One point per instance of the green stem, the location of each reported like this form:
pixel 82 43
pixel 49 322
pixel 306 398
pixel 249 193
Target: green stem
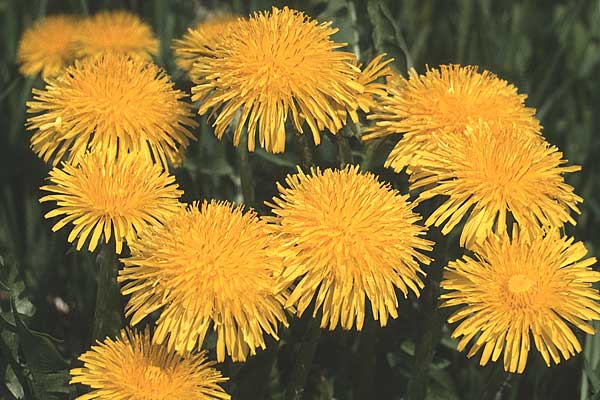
pixel 304 360
pixel 246 177
pixel 254 376
pixel 366 362
pixel 496 382
pixel 84 7
pixel 430 330
pixel 307 149
pixel 343 146
pixel 370 152
pixel 107 316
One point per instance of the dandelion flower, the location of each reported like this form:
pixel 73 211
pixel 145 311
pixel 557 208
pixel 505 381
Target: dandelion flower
pixel 116 32
pixel 113 104
pixel 133 368
pixel 201 40
pixel 274 65
pixel 344 235
pixel 445 99
pixel 48 46
pixel 104 195
pixel 490 172
pixel 209 265
pixel 516 289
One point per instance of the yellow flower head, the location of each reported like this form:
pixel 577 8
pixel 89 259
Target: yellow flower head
pixel 133 368
pixel 110 103
pixel 104 195
pixel 211 264
pixel 491 171
pixel 116 32
pixel 345 235
pixel 273 65
pixel 445 99
pixel 515 289
pixel 48 46
pixel 201 40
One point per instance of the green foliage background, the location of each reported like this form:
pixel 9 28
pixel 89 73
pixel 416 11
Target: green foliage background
pixel 550 50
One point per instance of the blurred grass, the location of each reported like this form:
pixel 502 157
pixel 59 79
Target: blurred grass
pixel 550 50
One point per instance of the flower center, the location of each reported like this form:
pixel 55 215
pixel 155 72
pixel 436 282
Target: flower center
pixel 519 283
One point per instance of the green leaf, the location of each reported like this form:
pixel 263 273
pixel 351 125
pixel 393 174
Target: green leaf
pixel 49 370
pixel 387 35
pixel 591 375
pixel 13 384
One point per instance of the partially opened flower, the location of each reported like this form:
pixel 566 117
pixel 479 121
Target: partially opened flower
pixel 272 66
pixel 210 266
pixel 346 237
pixel 514 290
pixel 133 368
pixel 369 78
pixel 117 198
pixel 201 40
pixel 492 173
pixel 48 46
pixel 445 99
pixel 110 103
pixel 117 32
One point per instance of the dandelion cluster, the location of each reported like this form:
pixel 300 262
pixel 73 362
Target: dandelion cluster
pixel 468 139
pixel 334 242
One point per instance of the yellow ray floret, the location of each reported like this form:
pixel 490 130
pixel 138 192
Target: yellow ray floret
pixel 345 237
pixel 495 172
pixel 110 103
pixel 272 66
pixel 514 290
pixel 444 99
pixel 48 46
pixel 106 196
pixel 209 265
pixel 133 368
pixel 369 78
pixel 201 40
pixel 116 32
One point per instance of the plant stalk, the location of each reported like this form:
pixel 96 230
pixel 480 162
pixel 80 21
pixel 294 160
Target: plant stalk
pixel 304 360
pixel 246 176
pixel 430 328
pixel 107 316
